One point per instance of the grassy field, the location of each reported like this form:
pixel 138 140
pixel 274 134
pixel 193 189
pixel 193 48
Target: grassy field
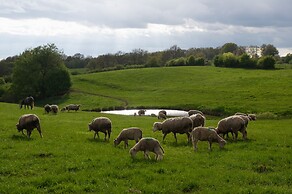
pixel 211 89
pixel 68 160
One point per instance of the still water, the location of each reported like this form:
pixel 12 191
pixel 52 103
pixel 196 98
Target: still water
pixel 171 113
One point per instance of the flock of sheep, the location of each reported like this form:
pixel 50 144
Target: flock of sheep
pixel 193 126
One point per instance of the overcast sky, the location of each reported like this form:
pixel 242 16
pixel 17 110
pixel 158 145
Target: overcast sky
pixel 94 27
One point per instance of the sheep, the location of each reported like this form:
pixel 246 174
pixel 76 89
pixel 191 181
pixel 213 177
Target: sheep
pixel 162 114
pixel 148 144
pixel 198 120
pixel 206 134
pixel 141 112
pixel 55 108
pixel 47 108
pixel 28 101
pixel 102 124
pixel 192 112
pixel 232 124
pixel 29 122
pixel 132 133
pixel 72 107
pixel 252 117
pixel 175 125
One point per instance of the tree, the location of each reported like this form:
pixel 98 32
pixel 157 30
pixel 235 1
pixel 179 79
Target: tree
pixel 269 50
pixel 229 48
pixel 40 72
pixel 266 62
pixel 246 62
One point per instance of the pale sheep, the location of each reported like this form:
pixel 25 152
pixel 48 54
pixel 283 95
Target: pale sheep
pixel 232 124
pixel 192 112
pixel 55 108
pixel 141 112
pixel 101 124
pixel 198 120
pixel 132 133
pixel 148 144
pixel 206 134
pixel 176 125
pixel 72 107
pixel 29 122
pixel 162 115
pixel 47 108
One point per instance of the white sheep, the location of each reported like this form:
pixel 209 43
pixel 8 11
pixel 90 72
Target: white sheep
pixel 198 120
pixel 55 108
pixel 206 134
pixel 132 133
pixel 101 124
pixel 148 144
pixel 29 122
pixel 175 125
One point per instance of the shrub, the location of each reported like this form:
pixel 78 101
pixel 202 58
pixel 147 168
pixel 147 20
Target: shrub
pixel 266 62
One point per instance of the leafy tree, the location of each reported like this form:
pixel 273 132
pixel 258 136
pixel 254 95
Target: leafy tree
pixel 269 50
pixel 246 62
pixel 218 61
pixel 191 61
pixel 229 48
pixel 40 72
pixel 230 60
pixel 266 62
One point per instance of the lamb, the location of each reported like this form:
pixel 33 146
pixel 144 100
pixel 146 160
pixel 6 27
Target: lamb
pixel 198 120
pixel 132 133
pixel 101 124
pixel 192 112
pixel 162 114
pixel 148 144
pixel 232 124
pixel 29 122
pixel 206 134
pixel 174 125
pixel 141 112
pixel 47 108
pixel 55 108
pixel 72 107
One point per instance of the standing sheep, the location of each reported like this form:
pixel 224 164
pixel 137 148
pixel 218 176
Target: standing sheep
pixel 141 112
pixel 162 114
pixel 192 112
pixel 72 107
pixel 232 124
pixel 179 125
pixel 132 133
pixel 101 124
pixel 29 122
pixel 206 134
pixel 55 108
pixel 47 108
pixel 198 120
pixel 148 144
pixel 28 101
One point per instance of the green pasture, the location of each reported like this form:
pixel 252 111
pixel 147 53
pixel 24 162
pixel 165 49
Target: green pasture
pixel 211 89
pixel 68 160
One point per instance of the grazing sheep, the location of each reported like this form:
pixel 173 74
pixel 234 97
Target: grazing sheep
pixel 101 124
pixel 29 122
pixel 47 108
pixel 72 107
pixel 252 117
pixel 198 120
pixel 174 125
pixel 206 134
pixel 28 101
pixel 141 112
pixel 192 112
pixel 148 144
pixel 232 124
pixel 162 114
pixel 55 108
pixel 132 133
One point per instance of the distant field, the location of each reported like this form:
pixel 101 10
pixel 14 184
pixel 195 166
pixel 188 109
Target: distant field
pixel 212 89
pixel 68 160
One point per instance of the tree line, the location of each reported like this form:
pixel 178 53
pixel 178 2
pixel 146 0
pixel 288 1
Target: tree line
pixel 42 71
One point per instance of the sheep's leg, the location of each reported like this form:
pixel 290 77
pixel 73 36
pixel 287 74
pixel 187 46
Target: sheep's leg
pixel 146 155
pixel 195 141
pixel 189 137
pixel 164 136
pixel 105 134
pixel 23 133
pixel 40 132
pixel 28 133
pixel 174 134
pixel 236 135
pixel 126 144
pixel 210 145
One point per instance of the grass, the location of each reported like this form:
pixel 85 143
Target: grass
pixel 211 89
pixel 68 160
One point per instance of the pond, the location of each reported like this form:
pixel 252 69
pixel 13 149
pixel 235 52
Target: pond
pixel 149 112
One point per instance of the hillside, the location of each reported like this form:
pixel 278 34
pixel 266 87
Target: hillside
pixel 211 89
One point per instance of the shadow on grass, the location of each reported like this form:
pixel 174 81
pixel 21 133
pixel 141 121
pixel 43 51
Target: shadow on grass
pixel 20 138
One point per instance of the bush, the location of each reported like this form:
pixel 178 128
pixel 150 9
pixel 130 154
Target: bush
pixel 266 62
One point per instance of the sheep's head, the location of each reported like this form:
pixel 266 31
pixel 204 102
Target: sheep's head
pixel 18 127
pixel 133 152
pixel 116 142
pixel 221 142
pixel 89 126
pixel 156 126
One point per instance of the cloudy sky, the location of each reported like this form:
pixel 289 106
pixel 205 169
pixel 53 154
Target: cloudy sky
pixel 94 27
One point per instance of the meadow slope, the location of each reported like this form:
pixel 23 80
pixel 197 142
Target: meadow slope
pixel 210 89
